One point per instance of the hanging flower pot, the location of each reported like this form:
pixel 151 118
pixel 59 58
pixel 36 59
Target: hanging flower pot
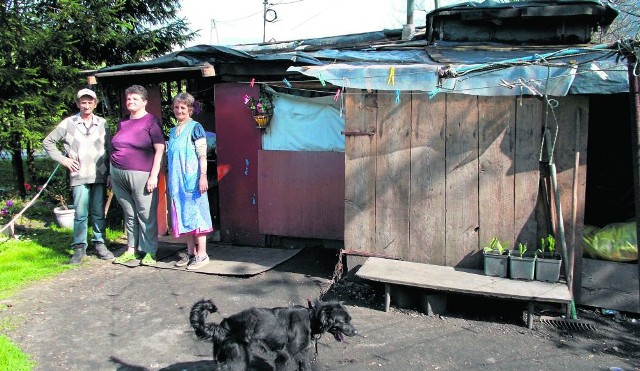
pixel 261 108
pixel 262 120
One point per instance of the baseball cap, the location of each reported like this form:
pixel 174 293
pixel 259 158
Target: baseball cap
pixel 88 92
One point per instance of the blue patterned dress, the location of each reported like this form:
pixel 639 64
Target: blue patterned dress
pixel 189 208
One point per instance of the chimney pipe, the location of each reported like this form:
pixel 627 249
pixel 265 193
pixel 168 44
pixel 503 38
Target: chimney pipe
pixel 408 30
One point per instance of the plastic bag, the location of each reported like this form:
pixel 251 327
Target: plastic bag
pixel 615 242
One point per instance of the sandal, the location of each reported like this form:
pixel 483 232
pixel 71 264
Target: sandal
pixel 149 260
pixel 125 257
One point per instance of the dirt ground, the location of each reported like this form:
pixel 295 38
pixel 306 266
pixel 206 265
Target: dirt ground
pixel 102 316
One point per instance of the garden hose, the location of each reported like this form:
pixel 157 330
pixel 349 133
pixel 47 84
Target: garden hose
pixel 28 205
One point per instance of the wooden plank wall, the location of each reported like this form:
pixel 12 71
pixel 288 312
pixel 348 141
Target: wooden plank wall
pixel 461 179
pixel 360 172
pixel 427 232
pixel 440 177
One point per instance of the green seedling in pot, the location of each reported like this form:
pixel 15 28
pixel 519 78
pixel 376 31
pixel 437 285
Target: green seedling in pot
pixel 522 248
pixel 495 244
pixel 547 243
pixel 551 244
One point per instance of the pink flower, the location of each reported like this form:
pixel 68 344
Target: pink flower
pixel 246 98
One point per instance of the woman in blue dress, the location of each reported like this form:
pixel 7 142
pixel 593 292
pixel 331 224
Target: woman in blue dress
pixel 188 184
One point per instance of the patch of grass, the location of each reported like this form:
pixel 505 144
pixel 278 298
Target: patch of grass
pixel 40 254
pixel 12 358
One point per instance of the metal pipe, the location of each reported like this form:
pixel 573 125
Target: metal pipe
pixel 264 21
pixel 410 6
pixel 560 227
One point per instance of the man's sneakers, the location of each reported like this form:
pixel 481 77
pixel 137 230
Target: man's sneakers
pixel 99 248
pixel 78 253
pixel 102 251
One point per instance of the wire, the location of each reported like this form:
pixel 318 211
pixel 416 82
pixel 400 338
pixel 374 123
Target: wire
pixel 315 15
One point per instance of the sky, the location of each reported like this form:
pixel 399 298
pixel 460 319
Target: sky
pixel 222 22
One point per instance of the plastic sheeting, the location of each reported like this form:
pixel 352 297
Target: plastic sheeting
pixel 304 124
pixel 486 72
pixel 422 77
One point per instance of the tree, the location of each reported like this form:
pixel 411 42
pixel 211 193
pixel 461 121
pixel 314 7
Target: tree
pixel 46 43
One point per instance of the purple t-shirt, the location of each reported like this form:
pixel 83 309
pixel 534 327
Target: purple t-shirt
pixel 133 143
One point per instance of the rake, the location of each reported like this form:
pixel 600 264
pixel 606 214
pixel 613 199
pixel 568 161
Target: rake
pixel 572 323
pixel 567 324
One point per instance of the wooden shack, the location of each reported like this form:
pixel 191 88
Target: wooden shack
pixel 430 172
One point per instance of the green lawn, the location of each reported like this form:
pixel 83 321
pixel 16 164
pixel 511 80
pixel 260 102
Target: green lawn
pixel 12 358
pixel 39 254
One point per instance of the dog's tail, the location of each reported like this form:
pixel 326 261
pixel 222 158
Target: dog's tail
pixel 198 316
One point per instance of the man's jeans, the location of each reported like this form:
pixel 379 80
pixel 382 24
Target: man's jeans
pixel 88 199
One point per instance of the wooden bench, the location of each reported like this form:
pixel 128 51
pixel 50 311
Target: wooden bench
pixel 461 280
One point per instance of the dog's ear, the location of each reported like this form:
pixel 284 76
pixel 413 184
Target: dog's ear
pixel 325 318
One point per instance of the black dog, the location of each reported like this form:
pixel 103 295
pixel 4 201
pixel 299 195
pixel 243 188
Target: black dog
pixel 287 332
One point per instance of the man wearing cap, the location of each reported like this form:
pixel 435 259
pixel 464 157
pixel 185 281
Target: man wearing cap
pixel 85 138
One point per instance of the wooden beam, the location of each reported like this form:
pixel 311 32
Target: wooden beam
pixel 207 71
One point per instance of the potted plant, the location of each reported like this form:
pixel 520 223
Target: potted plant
pixel 261 108
pixel 496 255
pixel 521 266
pixel 548 261
pixel 64 213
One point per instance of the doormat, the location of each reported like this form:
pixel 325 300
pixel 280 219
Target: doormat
pixel 224 260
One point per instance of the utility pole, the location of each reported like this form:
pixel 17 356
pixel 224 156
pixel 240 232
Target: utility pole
pixel 264 21
pixel 211 28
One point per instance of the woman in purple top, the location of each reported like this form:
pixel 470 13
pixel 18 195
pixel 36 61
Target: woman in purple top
pixel 138 147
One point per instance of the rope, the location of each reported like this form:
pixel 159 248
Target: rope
pixel 550 104
pixel 28 205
